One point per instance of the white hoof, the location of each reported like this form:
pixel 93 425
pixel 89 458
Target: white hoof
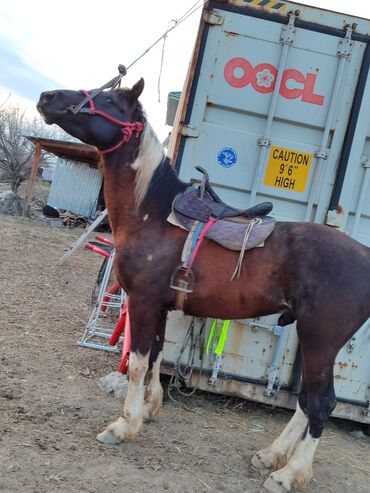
pixel 258 464
pixel 265 459
pixel 108 437
pixel 115 433
pixel 274 486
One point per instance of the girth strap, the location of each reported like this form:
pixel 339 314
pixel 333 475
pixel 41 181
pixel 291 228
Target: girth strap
pixel 183 279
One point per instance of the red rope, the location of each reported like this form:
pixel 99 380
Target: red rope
pixel 128 127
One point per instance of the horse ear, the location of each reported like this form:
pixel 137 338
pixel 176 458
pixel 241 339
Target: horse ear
pixel 137 88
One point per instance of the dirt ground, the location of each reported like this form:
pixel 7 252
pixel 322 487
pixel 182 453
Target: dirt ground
pixel 51 406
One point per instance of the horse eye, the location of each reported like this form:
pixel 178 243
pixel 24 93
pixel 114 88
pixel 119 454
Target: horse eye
pixel 109 100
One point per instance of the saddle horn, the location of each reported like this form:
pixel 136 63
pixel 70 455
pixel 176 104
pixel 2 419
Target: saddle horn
pixel 204 182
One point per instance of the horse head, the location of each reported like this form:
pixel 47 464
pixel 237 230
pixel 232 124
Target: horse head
pixel 107 119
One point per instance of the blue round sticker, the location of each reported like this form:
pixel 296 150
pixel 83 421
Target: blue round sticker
pixel 227 157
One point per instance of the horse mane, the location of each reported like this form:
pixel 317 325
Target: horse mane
pixel 156 181
pixel 163 188
pixel 150 155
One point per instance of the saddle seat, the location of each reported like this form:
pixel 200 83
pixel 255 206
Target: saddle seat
pixel 232 225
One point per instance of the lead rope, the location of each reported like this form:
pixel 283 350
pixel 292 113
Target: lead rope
pixel 116 81
pixel 162 59
pixel 185 16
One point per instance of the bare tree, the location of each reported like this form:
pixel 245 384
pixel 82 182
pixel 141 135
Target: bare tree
pixel 16 152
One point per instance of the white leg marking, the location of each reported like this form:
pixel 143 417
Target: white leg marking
pixel 298 471
pixel 127 427
pixel 278 454
pixel 153 391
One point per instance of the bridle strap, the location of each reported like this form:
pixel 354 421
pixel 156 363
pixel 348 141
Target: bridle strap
pixel 128 128
pixel 108 85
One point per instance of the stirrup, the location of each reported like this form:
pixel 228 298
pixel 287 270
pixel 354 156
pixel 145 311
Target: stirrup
pixel 183 280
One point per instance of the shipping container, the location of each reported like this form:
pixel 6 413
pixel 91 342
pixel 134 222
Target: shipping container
pixel 275 107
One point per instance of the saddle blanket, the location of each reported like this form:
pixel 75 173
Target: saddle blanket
pixel 231 232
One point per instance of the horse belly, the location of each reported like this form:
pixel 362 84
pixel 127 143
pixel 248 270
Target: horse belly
pixel 215 295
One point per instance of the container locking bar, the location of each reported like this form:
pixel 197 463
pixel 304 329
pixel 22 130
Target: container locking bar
pixel 288 30
pixel 365 163
pixel 274 383
pixel 286 39
pixel 344 52
pixel 345 46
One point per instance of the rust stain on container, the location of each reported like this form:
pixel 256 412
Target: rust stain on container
pixel 341 365
pixel 236 339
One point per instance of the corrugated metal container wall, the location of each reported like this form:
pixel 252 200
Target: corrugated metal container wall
pixel 75 187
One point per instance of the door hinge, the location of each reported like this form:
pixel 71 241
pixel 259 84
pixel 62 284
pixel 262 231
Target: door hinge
pixel 189 131
pixel 366 411
pixel 321 154
pixel 335 217
pixel 351 345
pixel 213 19
pixel 264 142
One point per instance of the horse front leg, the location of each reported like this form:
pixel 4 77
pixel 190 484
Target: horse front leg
pixel 145 321
pixel 280 451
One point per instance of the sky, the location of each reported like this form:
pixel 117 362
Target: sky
pixel 78 44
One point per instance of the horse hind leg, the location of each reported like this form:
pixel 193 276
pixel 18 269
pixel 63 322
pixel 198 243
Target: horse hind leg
pixel 317 400
pixel 279 452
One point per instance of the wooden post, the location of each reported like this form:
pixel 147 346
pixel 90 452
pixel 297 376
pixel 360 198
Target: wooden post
pixel 31 181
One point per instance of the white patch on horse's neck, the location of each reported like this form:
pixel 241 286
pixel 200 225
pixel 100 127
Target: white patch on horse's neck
pixel 150 156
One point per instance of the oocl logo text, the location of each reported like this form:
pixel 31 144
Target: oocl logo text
pixel 239 72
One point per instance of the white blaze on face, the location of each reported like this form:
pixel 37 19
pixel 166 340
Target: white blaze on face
pixel 150 156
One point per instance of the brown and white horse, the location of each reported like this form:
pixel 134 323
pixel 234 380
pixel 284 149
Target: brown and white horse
pixel 306 272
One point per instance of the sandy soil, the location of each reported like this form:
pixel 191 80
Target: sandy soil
pixel 51 407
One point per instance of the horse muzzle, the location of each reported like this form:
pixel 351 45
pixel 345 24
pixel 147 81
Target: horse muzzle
pixel 49 106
